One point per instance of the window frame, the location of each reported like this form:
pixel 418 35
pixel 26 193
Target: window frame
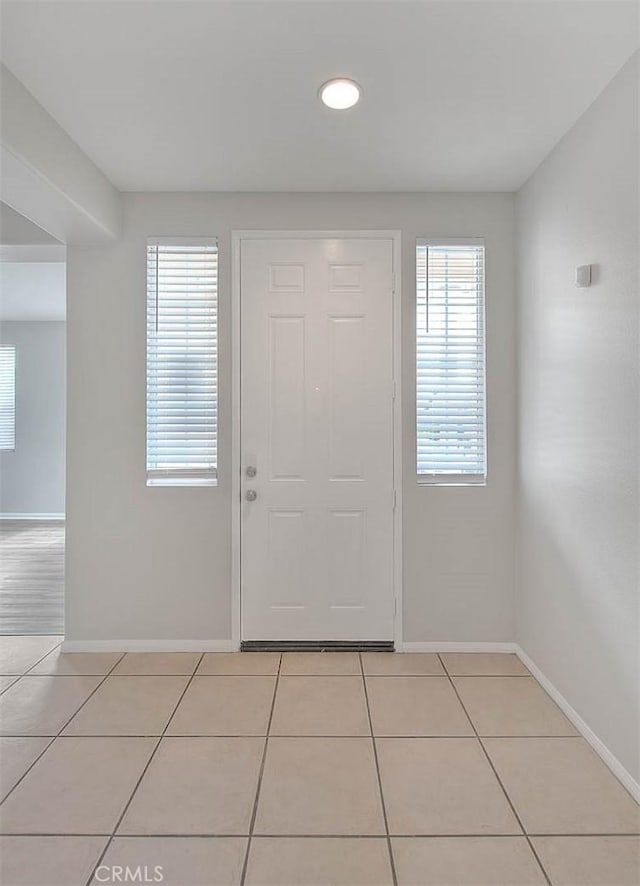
pixel 453 478
pixel 181 477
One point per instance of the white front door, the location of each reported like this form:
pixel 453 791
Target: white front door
pixel 317 428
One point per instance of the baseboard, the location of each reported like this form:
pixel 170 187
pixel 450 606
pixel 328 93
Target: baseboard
pixel 232 646
pixel 607 757
pixel 149 646
pixel 456 647
pixel 32 516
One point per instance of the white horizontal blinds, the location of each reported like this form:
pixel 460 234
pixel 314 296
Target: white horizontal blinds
pixel 182 365
pixel 450 362
pixel 7 397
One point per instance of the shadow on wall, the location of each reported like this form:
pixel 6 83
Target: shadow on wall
pixel 576 626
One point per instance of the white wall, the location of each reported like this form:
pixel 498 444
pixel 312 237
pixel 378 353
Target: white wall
pixel 578 600
pixel 155 563
pixel 33 474
pixel 32 290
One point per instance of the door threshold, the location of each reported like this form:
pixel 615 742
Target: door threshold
pixel 316 646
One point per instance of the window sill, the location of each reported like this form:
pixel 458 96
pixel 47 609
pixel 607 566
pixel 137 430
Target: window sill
pixel 458 480
pixel 182 481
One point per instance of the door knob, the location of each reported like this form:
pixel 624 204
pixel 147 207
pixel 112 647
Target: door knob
pixel 251 495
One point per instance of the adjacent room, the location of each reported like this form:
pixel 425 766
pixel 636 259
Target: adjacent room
pixel 32 427
pixel 320 442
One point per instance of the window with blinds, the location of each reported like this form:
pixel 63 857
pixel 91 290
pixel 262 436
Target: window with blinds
pixel 182 362
pixel 450 362
pixel 7 397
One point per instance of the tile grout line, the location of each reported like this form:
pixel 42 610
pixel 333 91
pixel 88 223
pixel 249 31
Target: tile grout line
pixel 375 757
pixel 412 737
pixel 256 674
pixel 254 811
pixel 6 688
pixel 36 663
pixel 51 738
pixel 446 675
pixel 495 772
pixel 276 836
pixel 62 728
pixel 143 773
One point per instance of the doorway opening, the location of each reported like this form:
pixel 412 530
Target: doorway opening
pixel 32 428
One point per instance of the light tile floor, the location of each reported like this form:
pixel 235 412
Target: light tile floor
pixel 322 769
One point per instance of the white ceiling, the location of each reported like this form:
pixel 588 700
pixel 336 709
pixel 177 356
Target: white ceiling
pixel 223 95
pixel 32 290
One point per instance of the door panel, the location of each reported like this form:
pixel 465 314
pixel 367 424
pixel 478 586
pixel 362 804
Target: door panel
pixel 347 541
pixel 317 424
pixel 286 557
pixel 287 390
pixel 347 363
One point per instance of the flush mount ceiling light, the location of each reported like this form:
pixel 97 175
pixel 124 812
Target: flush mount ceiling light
pixel 340 93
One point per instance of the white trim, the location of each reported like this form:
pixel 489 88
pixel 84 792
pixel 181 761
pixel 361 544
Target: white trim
pixel 170 479
pixel 453 646
pixel 607 757
pixel 398 619
pixel 211 242
pixel 236 515
pixel 149 646
pixel 450 241
pixel 236 464
pixel 458 479
pixel 48 516
pixel 361 234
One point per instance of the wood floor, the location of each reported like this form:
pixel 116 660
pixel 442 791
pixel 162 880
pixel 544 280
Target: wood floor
pixel 31 577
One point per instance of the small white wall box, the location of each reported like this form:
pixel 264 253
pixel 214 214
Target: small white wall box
pixel 583 276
